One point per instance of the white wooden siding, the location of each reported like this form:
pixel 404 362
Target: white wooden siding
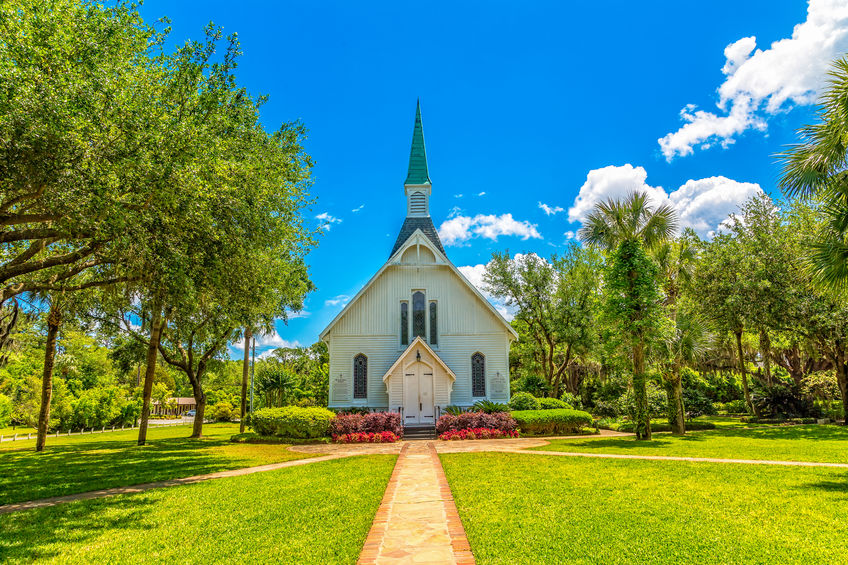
pixel 371 326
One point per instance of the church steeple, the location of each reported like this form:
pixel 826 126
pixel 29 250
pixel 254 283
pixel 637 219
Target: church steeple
pixel 418 173
pixel 417 185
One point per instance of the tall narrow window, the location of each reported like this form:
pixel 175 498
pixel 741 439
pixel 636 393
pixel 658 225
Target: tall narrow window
pixel 360 376
pixel 478 375
pixel 404 323
pixel 419 313
pixel 434 325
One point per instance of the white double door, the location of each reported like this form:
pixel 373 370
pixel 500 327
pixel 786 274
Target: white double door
pixel 418 407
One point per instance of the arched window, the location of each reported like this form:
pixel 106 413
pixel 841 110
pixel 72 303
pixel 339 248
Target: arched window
pixel 419 313
pixel 360 376
pixel 434 325
pixel 478 374
pixel 404 323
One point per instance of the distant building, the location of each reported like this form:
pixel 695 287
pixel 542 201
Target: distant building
pixel 419 336
pixel 174 406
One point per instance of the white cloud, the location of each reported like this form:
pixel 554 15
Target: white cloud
pixel 550 210
pixel 792 71
pixel 301 314
pixel 340 299
pixel 273 339
pixel 701 204
pixel 474 274
pixel 483 193
pixel 358 208
pixel 327 220
pixel 570 235
pixel 458 229
pixel 458 195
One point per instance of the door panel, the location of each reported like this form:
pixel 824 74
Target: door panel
pixel 425 396
pixel 410 396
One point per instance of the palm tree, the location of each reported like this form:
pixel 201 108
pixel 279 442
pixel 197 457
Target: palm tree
pixel 615 221
pixel 628 227
pixel 818 167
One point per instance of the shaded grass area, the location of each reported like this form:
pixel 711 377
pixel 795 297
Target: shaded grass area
pixel 827 444
pixel 318 513
pixel 90 462
pixel 526 509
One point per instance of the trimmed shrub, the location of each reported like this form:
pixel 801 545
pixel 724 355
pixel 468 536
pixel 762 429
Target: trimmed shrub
pixel 551 422
pixel 552 404
pixel 489 407
pixel 292 421
pixel 692 426
pixel 253 437
pixel 468 420
pixel 366 437
pixel 477 433
pixel 524 401
pixel 373 423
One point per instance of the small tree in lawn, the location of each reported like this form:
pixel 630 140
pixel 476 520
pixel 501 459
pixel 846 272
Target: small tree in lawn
pixel 626 228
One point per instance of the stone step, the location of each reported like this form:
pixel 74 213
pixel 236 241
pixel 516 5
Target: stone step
pixel 419 432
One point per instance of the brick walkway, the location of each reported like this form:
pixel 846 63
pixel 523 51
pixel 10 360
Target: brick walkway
pixel 53 501
pixel 417 520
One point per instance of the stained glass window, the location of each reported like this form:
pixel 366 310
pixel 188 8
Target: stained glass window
pixel 404 323
pixel 360 376
pixel 419 313
pixel 478 375
pixel 434 326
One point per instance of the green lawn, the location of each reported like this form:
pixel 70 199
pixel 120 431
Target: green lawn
pixel 20 430
pixel 89 462
pixel 317 513
pixel 528 509
pixel 781 443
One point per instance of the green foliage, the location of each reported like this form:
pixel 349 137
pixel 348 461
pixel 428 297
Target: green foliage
pixel 5 410
pixel 697 404
pixel 490 407
pixel 551 422
pixel 221 412
pixel 292 421
pixel 524 401
pixel 657 402
pixel 662 426
pixel 453 410
pixel 552 404
pixel 571 400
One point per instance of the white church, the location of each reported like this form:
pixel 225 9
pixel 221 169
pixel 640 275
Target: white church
pixel 418 337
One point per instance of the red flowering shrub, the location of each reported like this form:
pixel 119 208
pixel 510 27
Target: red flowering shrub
pixel 366 437
pixel 468 420
pixel 344 424
pixel 374 423
pixel 477 433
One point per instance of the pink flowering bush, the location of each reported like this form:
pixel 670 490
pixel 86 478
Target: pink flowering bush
pixel 366 437
pixel 469 420
pixel 477 433
pixel 375 422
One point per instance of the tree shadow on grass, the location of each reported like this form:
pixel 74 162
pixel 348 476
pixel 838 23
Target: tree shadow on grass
pixel 811 432
pixel 43 533
pixel 72 468
pixel 834 484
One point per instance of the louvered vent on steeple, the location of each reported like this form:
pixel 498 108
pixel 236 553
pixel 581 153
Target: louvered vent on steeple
pixel 417 204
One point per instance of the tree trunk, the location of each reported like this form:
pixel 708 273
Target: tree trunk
pixel 842 380
pixel 643 415
pixel 244 374
pixel 765 349
pixel 150 372
pixel 676 414
pixel 200 410
pixel 745 390
pixel 54 320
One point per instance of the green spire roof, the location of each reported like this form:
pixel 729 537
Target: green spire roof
pixel 418 173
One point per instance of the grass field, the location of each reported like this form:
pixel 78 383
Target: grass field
pixel 317 513
pixel 527 509
pixel 782 443
pixel 20 430
pixel 89 462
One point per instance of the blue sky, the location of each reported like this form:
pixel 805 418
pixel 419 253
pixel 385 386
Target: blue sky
pixel 551 103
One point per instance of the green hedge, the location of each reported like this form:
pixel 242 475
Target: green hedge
pixel 664 426
pixel 551 422
pixel 251 437
pixel 292 421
